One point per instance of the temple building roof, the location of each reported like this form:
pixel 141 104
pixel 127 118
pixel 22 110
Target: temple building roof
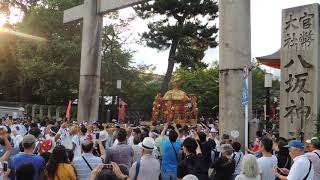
pixel 271 60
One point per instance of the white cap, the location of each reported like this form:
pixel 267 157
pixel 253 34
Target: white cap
pixel 148 143
pixel 190 177
pixel 213 130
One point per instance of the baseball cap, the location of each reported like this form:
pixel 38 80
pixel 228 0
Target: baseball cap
pixel 29 139
pixel 295 144
pixel 309 141
pixel 148 143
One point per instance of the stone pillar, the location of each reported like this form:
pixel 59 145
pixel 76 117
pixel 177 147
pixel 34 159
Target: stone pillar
pixel 49 112
pixel 234 54
pixel 108 116
pixel 58 112
pixel 41 112
pixel 300 85
pixel 88 104
pixel 26 108
pixel 33 113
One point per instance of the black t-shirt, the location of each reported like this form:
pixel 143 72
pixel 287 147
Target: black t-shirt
pixel 193 164
pixel 224 168
pixel 208 146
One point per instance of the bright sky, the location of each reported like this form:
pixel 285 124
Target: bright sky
pixel 265 34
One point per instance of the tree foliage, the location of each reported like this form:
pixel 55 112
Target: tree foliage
pixel 204 83
pixel 184 26
pixel 48 72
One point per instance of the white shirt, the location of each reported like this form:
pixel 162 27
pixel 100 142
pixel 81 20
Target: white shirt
pixel 300 169
pixel 83 170
pixel 76 141
pixel 16 140
pixel 103 135
pixel 266 165
pixel 67 141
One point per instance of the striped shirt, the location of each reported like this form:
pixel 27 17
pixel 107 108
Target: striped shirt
pixel 83 170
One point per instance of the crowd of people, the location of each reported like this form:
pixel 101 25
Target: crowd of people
pixel 57 150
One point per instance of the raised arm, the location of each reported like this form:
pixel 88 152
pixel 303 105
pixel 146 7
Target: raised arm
pixel 176 129
pixel 165 127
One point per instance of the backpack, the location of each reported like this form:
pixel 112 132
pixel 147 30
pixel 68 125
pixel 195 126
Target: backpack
pixel 215 154
pixel 45 146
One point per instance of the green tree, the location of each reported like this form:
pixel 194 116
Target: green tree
pixel 204 83
pixel 184 26
pixel 258 89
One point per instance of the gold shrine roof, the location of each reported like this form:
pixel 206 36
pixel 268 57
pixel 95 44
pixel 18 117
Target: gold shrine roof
pixel 175 95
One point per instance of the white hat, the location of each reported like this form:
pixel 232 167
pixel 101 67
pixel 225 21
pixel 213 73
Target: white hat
pixel 148 143
pixel 213 130
pixel 190 177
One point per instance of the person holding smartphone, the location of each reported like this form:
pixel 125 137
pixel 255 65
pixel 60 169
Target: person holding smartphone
pixel 5 157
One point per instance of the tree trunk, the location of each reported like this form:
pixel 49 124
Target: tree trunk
pixel 170 67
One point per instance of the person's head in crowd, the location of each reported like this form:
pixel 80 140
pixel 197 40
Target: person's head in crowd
pixel 43 123
pixel 266 145
pixel 226 150
pixel 83 130
pixel 33 125
pixel 90 128
pixel 70 154
pixel 74 130
pixel 296 148
pixel 25 171
pixel 46 156
pixel 173 136
pixel 143 135
pixel 313 144
pixel 259 134
pixel 28 142
pixel 136 140
pixel 122 135
pixel 190 177
pixel 236 146
pixel 106 174
pixel 179 126
pixel 202 137
pixel 59 155
pixel 35 131
pixel 189 146
pixel 147 145
pixel 225 137
pixel 214 132
pixel 100 127
pixel 87 146
pixel 249 166
pixel 136 131
pixel 280 143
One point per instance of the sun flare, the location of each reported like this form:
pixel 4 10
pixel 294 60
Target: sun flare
pixel 3 20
